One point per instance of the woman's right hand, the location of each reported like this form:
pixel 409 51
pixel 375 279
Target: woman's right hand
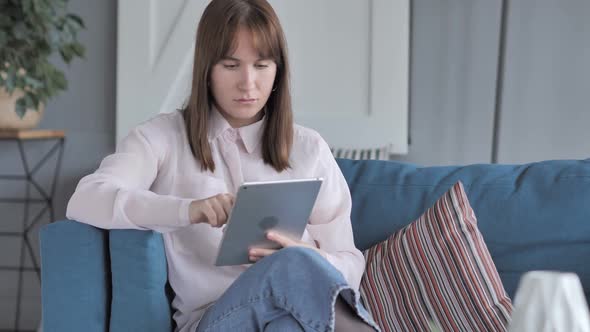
pixel 213 210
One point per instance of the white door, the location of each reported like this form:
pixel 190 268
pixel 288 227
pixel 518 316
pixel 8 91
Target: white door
pixel 349 65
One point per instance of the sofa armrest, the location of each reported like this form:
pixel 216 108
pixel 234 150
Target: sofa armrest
pixel 75 277
pixel 141 293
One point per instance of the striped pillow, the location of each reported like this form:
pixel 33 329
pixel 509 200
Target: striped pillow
pixel 437 269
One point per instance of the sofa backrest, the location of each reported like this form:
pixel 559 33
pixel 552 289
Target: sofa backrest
pixel 532 217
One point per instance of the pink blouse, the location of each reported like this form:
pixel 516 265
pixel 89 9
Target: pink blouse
pixel 149 182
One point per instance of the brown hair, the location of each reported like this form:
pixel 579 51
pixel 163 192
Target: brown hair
pixel 215 40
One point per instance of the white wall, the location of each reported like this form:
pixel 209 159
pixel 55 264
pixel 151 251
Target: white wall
pixel 545 111
pixel 546 104
pixel 349 67
pixel 454 59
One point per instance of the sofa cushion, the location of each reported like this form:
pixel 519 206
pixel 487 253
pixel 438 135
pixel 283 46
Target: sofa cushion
pixel 141 295
pixel 75 274
pixel 436 269
pixel 532 216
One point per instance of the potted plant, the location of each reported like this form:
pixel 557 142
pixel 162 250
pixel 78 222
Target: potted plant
pixel 31 31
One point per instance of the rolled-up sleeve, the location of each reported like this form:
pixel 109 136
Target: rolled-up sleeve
pixel 330 223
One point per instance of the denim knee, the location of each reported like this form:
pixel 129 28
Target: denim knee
pixel 300 262
pixel 298 253
pixel 296 281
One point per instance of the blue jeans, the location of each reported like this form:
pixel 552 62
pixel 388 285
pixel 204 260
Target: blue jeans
pixel 292 290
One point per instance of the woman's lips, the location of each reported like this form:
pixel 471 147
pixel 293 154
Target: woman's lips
pixel 246 100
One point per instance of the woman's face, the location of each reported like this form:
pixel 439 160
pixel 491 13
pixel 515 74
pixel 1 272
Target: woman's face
pixel 242 82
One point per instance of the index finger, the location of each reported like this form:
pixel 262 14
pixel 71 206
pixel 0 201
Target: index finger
pixel 227 203
pixel 230 198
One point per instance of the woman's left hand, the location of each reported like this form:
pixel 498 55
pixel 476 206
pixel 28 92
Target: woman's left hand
pixel 256 254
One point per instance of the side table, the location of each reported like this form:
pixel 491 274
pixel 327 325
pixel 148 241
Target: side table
pixel 23 139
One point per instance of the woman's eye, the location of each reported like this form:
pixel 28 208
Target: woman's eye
pixel 261 66
pixel 230 66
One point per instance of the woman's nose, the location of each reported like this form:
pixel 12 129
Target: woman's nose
pixel 247 78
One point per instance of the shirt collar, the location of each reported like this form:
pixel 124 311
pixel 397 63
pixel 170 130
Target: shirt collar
pixel 251 134
pixel 217 124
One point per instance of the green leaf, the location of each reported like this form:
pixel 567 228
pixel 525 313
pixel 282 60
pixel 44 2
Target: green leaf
pixel 3 38
pixel 78 49
pixel 27 6
pixel 35 100
pixel 60 24
pixel 5 20
pixel 53 36
pixel 29 103
pixel 19 82
pixel 33 83
pixel 77 19
pixel 10 84
pixel 19 30
pixel 66 53
pixel 60 80
pixel 21 107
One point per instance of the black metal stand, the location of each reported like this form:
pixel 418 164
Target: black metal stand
pixel 46 200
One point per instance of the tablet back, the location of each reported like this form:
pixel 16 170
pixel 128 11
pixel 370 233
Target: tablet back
pixel 282 206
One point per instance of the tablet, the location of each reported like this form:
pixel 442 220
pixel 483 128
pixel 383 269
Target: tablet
pixel 282 206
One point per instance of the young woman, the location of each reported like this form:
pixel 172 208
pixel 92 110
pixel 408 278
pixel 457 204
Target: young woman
pixel 176 173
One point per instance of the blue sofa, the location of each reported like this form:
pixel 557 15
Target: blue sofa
pixel 533 217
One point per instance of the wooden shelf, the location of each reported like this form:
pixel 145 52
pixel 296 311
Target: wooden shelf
pixel 31 134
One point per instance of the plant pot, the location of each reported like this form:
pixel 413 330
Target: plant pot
pixel 9 120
